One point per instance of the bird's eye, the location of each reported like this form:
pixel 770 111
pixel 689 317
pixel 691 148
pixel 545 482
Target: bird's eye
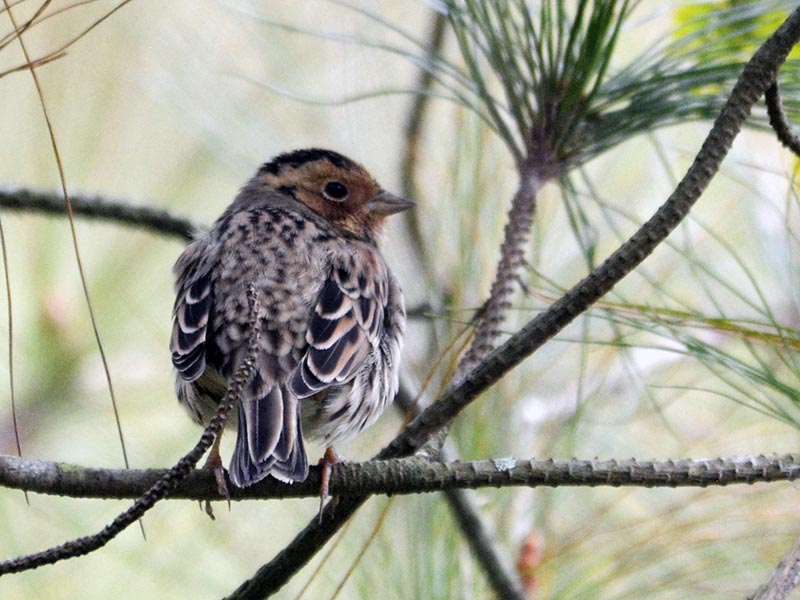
pixel 335 190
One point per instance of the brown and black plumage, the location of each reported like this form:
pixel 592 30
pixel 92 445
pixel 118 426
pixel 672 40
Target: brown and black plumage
pixel 304 232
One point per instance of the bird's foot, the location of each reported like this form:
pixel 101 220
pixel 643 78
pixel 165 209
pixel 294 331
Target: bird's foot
pixel 214 464
pixel 329 459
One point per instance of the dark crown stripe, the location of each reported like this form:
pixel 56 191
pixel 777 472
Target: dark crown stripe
pixel 301 157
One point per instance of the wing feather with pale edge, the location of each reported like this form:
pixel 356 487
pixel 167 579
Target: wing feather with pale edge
pixel 345 325
pixel 191 312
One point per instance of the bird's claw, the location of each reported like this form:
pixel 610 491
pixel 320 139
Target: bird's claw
pixel 329 459
pixel 214 464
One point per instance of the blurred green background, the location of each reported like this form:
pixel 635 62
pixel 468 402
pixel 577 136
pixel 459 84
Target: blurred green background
pixel 176 104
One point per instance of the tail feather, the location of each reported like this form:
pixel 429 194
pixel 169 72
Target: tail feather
pixel 294 467
pixel 261 419
pixel 269 440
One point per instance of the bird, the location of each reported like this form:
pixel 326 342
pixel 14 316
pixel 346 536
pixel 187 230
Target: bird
pixel 304 235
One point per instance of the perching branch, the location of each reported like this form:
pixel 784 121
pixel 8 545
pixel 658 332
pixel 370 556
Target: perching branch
pixel 759 73
pixel 401 476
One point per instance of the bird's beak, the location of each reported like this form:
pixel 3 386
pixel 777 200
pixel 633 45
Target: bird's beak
pixel 386 203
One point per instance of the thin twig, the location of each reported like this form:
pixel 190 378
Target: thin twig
pixel 784 578
pixel 35 19
pixel 412 136
pixel 94 206
pixel 61 51
pixel 759 73
pixel 19 30
pixel 779 121
pixel 10 312
pixel 166 483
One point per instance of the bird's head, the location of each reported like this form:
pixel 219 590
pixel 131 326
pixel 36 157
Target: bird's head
pixel 335 187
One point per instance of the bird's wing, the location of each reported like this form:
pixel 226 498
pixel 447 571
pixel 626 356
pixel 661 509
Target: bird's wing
pixel 346 324
pixel 192 307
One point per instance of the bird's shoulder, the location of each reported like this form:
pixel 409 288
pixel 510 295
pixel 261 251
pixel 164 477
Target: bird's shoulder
pixel 260 211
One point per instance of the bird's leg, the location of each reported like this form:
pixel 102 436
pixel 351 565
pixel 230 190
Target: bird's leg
pixel 214 464
pixel 329 459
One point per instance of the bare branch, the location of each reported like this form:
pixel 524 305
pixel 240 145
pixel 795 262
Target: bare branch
pixel 784 578
pixel 98 207
pixel 779 121
pixel 399 476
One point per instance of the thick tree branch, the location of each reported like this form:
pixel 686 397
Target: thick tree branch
pixel 759 73
pixel 401 476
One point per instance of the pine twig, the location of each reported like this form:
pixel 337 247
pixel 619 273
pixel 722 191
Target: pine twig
pixel 779 121
pixel 517 230
pixel 99 207
pixel 784 578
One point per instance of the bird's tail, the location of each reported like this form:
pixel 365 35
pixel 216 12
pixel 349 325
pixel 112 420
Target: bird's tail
pixel 269 440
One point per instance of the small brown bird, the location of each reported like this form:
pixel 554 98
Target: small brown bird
pixel 304 233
